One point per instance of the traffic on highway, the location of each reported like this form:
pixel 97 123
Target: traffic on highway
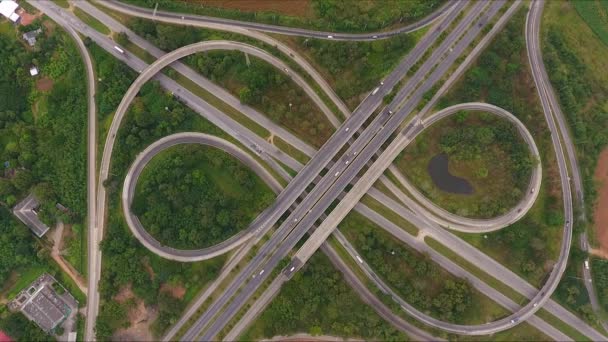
pixel 354 162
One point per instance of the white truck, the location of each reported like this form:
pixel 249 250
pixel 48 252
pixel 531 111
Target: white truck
pixel 119 50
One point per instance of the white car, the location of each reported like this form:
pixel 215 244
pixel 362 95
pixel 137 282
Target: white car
pixel 586 264
pixel 330 37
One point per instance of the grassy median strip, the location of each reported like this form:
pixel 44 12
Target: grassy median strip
pixel 290 150
pixel 390 215
pixel 561 326
pixel 91 21
pixel 476 271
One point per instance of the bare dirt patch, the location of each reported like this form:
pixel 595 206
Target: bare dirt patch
pixel 140 319
pixel 124 294
pixel 44 84
pixel 600 216
pixel 27 18
pixel 176 291
pixel 300 8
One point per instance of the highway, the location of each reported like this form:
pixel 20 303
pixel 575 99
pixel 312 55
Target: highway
pixel 93 234
pixel 128 193
pixel 218 91
pixel 340 175
pixel 292 31
pixel 543 107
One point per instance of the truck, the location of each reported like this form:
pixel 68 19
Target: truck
pixel 360 260
pixel 119 50
pixel 375 90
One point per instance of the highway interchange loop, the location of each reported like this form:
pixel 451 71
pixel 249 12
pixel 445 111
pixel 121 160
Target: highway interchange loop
pixel 549 106
pixel 501 324
pixel 188 138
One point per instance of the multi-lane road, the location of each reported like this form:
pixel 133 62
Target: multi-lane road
pixel 371 133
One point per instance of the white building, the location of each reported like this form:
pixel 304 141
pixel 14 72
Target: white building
pixel 33 71
pixel 8 9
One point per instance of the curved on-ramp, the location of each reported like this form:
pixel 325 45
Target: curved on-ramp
pixel 292 31
pixel 144 77
pixel 470 225
pixel 187 255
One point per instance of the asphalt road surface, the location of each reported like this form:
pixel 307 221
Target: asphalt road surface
pixel 117 5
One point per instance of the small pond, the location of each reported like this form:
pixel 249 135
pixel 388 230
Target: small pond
pixel 438 169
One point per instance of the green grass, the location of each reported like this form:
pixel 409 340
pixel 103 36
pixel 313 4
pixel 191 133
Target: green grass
pixel 390 215
pixel 25 278
pixel 482 149
pixel 290 150
pixel 595 14
pixel 561 326
pixel 91 21
pixel 62 3
pixel 77 249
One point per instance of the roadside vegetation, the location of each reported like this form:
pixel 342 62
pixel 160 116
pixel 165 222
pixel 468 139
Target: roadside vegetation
pixel 318 301
pixel 43 123
pixel 43 127
pixel 595 14
pixel 353 68
pixel 327 15
pixel 256 83
pixel 265 88
pixel 501 76
pixel 417 279
pixel 574 58
pixel 485 150
pixel 132 277
pixel 193 196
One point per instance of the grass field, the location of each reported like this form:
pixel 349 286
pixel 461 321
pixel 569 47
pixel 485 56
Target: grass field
pixel 91 21
pixel 484 150
pixel 595 14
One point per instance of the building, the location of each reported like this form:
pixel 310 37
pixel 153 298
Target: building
pixel 33 71
pixel 43 305
pixel 26 212
pixel 30 37
pixel 8 9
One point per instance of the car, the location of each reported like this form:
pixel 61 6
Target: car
pixel 535 304
pixel 295 219
pixel 512 321
pixel 346 162
pixel 347 129
pixel 286 70
pixel 330 37
pixel 292 268
pixel 337 173
pixel 586 264
pixel 390 112
pixel 381 82
pixel 355 153
pixel 261 272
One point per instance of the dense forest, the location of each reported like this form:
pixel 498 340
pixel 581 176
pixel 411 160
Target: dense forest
pixel 329 15
pixel 318 301
pixel 43 123
pixel 193 196
pixel 17 246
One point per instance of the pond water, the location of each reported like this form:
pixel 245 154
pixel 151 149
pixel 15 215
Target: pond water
pixel 438 169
